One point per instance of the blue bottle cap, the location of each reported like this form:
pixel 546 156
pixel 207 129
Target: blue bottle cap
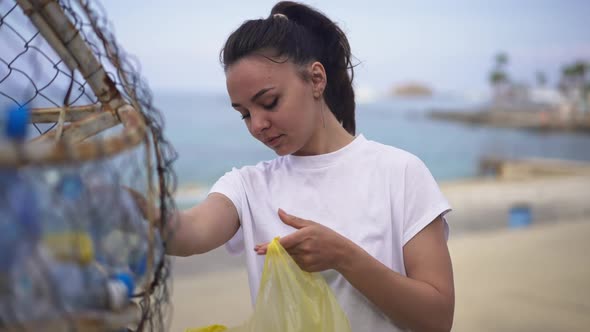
pixel 126 279
pixel 17 122
pixel 71 186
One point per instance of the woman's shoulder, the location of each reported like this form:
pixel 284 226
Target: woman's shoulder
pixel 391 154
pixel 260 168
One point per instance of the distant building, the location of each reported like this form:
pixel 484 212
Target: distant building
pixel 412 89
pixel 511 94
pixel 546 96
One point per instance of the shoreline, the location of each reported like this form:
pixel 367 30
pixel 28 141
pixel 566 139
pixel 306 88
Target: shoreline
pixel 539 119
pixel 483 203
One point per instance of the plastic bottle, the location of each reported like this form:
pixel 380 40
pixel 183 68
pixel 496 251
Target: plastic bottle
pixel 22 281
pixel 125 246
pixel 88 287
pixel 46 289
pixel 10 241
pixel 30 288
pixel 18 206
pixel 19 224
pixel 65 226
pixel 138 259
pixel 103 222
pixel 24 284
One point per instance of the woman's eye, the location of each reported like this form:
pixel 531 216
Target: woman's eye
pixel 271 105
pixel 245 116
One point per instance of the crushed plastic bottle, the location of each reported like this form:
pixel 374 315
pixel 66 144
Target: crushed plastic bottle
pixel 126 245
pixel 46 289
pixel 89 287
pixel 96 219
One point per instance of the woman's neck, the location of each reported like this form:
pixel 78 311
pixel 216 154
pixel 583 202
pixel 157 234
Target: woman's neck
pixel 329 136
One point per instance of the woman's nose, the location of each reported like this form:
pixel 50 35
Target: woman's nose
pixel 259 122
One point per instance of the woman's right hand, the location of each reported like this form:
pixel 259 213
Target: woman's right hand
pixel 147 210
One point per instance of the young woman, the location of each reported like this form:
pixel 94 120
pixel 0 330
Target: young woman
pixel 369 217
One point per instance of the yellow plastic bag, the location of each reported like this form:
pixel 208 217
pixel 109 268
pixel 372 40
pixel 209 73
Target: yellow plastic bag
pixel 290 300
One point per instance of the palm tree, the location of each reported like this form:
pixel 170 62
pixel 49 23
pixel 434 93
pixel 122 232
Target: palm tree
pixel 498 77
pixel 501 59
pixel 575 84
pixel 541 79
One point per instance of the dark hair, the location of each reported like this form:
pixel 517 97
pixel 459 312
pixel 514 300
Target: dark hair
pixel 305 35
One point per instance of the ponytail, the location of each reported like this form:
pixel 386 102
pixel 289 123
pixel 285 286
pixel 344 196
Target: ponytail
pixel 303 35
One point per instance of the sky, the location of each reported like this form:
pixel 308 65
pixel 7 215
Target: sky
pixel 448 45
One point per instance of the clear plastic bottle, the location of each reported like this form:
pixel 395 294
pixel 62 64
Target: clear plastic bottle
pixel 66 230
pixel 19 224
pixel 125 246
pixel 18 204
pixel 102 220
pixel 30 293
pixel 89 287
pixel 46 289
pixel 22 282
pixel 10 234
pixel 138 258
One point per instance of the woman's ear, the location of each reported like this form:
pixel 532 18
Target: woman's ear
pixel 318 79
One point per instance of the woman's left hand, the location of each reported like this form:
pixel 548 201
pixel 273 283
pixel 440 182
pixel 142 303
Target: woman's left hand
pixel 313 246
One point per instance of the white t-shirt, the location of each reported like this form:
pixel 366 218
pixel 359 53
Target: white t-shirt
pixel 376 195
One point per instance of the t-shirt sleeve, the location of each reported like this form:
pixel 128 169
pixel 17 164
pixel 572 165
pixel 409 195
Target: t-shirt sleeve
pixel 230 185
pixel 423 199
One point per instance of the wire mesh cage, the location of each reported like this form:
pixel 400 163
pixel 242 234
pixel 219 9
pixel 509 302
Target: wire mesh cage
pixel 80 141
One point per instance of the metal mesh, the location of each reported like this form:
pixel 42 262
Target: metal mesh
pixel 33 75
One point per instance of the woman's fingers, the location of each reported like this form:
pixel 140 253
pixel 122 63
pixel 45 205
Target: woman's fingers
pixel 294 239
pixel 142 204
pixel 261 248
pixel 294 221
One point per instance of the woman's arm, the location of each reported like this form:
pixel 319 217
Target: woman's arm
pixel 203 227
pixel 199 229
pixel 421 301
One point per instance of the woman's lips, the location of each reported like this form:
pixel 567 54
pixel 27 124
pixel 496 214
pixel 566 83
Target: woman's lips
pixel 274 141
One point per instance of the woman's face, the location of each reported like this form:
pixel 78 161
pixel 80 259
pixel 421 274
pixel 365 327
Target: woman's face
pixel 275 102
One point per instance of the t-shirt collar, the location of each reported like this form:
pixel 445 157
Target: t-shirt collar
pixel 327 159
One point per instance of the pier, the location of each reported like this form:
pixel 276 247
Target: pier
pixel 530 120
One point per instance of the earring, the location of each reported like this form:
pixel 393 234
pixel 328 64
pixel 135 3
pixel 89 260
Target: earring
pixel 323 118
pixel 316 94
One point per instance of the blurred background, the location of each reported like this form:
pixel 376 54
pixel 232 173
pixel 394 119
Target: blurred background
pixel 493 96
pixel 413 59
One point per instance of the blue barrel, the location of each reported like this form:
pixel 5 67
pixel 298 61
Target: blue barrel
pixel 520 216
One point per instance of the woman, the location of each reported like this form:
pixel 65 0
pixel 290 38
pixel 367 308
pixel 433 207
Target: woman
pixel 366 215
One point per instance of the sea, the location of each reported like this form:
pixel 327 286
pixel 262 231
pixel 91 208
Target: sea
pixel 211 138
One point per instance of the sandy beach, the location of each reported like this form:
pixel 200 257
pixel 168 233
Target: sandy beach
pixel 535 279
pixel 530 279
